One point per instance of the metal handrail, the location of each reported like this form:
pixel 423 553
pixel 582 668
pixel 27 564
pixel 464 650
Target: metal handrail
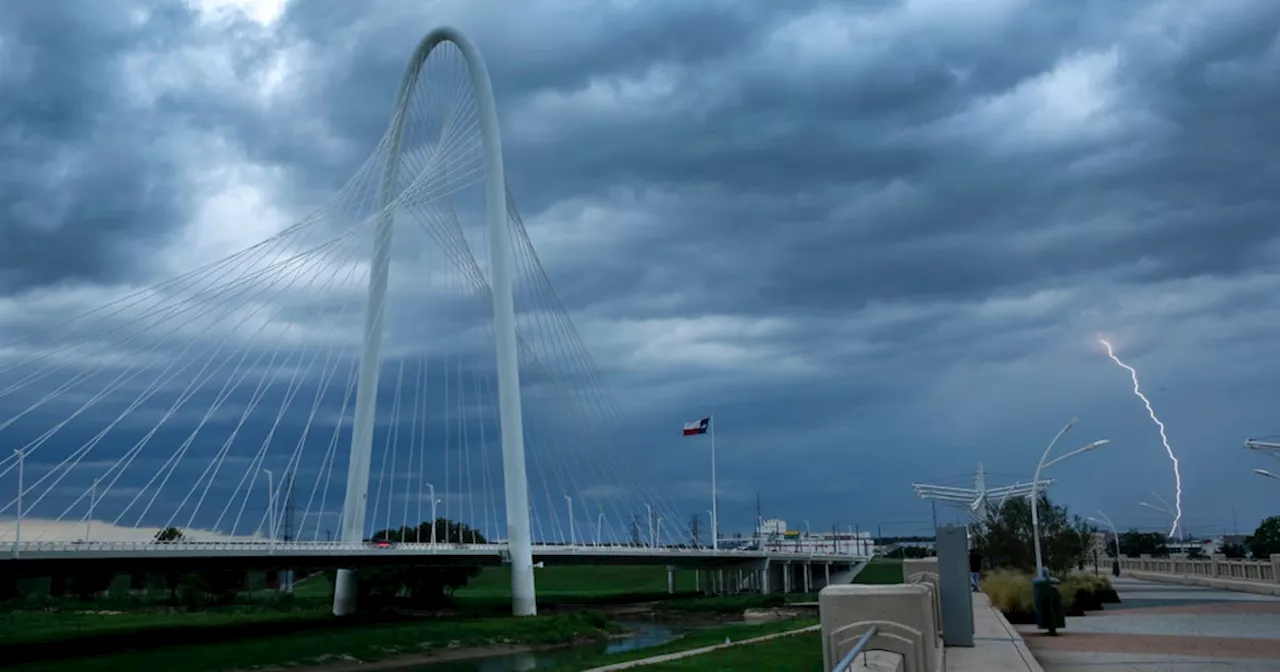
pixel 846 662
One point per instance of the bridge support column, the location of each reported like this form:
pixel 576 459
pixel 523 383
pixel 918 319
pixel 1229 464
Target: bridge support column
pixel 344 593
pixel 760 570
pixel 671 580
pixel 786 577
pixel 826 574
pixel 738 586
pixel 697 580
pixel 808 576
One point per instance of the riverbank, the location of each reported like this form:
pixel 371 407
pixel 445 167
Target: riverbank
pixel 694 640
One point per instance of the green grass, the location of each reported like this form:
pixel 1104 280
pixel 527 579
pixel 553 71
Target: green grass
pixel 697 639
pixel 797 653
pixel 364 643
pixel 881 571
pixel 31 627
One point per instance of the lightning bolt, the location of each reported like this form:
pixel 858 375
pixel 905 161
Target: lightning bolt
pixel 1164 438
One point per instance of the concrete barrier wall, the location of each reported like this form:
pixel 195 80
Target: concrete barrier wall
pixel 1215 567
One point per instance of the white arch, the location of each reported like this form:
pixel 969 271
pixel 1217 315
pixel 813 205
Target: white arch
pixel 510 414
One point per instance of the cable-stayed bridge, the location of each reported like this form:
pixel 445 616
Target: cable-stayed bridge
pixel 395 356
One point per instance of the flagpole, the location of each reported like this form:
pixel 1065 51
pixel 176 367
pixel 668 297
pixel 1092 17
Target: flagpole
pixel 715 511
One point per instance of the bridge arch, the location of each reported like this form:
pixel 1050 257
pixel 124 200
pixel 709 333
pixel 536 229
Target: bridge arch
pixel 510 413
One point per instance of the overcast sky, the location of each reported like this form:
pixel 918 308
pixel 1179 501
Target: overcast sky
pixel 877 239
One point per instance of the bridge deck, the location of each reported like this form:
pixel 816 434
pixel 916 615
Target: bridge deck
pixel 144 554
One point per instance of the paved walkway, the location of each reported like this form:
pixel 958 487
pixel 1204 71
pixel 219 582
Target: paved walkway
pixel 996 645
pixel 1163 627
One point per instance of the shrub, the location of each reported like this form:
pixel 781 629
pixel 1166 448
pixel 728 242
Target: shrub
pixel 1072 586
pixel 1009 591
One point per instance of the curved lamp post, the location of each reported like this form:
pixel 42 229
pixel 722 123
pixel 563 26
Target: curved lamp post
pixel 1162 509
pixel 1035 495
pixel 1115 565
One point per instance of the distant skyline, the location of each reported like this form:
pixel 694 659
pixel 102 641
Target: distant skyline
pixel 878 240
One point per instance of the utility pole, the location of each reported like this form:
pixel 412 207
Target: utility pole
pixel 288 509
pixel 693 532
pixel 288 527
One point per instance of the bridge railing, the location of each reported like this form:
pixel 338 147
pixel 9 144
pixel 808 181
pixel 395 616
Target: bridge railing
pixel 1214 567
pixel 330 547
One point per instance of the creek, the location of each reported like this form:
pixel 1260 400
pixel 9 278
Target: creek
pixel 640 634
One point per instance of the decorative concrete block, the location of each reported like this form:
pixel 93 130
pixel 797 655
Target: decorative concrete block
pixel 902 614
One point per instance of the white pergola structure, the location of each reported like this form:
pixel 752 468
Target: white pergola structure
pixel 1269 445
pixel 975 499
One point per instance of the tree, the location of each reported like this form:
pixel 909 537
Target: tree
pixel 1266 539
pixel 1005 541
pixel 169 534
pixel 1235 551
pixel 1134 543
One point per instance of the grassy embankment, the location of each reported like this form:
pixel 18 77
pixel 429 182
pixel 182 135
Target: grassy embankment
pixel 350 644
pixel 797 653
pixel 263 629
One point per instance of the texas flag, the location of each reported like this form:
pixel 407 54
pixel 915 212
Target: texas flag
pixel 699 427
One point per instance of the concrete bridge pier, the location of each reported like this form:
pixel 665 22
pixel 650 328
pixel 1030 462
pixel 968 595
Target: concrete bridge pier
pixel 671 579
pixel 841 576
pixel 758 572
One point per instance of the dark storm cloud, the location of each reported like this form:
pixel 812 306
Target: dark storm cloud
pixel 915 201
pixel 84 189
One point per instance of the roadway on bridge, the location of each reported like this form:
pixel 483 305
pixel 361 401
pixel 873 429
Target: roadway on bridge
pixel 1160 626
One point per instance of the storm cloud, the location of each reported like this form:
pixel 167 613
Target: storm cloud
pixel 876 239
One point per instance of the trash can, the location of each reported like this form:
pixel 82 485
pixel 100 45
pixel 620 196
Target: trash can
pixel 1050 614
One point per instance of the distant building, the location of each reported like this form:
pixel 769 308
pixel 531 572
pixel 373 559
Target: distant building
pixel 773 534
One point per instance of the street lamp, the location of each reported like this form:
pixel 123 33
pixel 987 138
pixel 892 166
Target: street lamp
pixel 93 496
pixel 271 506
pixel 432 488
pixel 1115 565
pixel 1162 509
pixel 649 519
pixel 573 539
pixel 1035 497
pixel 17 525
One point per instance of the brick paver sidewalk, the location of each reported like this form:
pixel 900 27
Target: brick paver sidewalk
pixel 1159 627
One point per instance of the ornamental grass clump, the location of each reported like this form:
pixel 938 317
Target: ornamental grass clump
pixel 1009 591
